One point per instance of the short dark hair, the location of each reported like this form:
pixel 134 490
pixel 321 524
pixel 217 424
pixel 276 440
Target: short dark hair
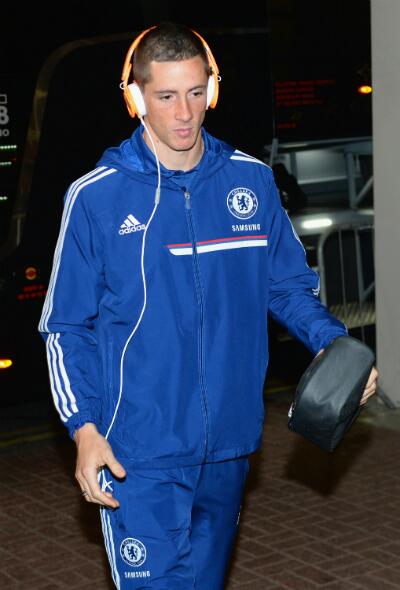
pixel 166 42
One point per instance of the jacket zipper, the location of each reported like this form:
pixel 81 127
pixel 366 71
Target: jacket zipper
pixel 200 300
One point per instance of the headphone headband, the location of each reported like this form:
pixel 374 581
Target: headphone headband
pixel 211 59
pixel 128 60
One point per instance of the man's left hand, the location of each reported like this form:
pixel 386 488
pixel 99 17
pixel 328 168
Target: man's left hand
pixel 370 388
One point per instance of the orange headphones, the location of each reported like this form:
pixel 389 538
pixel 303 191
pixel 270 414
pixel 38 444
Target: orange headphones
pixel 133 95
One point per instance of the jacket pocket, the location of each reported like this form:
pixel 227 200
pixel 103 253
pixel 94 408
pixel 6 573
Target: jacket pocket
pixel 110 370
pixel 114 403
pixel 108 385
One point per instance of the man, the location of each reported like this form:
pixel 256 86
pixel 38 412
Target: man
pixel 170 255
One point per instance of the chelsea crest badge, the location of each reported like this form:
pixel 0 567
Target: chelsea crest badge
pixel 242 203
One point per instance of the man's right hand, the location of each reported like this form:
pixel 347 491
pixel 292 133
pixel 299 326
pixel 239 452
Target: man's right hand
pixel 93 453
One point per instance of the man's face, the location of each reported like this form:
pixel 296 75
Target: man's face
pixel 175 101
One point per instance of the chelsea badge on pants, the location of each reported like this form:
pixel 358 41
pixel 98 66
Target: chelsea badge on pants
pixel 175 528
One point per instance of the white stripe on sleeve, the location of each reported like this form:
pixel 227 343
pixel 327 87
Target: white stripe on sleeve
pixel 65 379
pixel 70 200
pixel 54 380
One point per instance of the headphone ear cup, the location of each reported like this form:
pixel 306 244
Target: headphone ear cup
pixel 134 100
pixel 210 90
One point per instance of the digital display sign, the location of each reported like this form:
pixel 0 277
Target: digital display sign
pixel 320 58
pixel 320 108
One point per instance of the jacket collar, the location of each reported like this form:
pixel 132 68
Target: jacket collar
pixel 148 158
pixel 133 158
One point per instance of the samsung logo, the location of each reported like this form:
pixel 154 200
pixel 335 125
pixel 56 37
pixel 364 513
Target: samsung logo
pixel 246 227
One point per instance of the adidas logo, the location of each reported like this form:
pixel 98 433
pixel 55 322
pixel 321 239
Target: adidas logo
pixel 130 225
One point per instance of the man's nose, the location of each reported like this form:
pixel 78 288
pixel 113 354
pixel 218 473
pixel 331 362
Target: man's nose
pixel 183 111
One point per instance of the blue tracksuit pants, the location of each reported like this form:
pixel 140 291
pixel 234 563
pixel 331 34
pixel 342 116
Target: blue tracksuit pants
pixel 175 528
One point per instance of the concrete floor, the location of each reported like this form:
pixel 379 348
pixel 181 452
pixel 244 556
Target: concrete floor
pixel 310 520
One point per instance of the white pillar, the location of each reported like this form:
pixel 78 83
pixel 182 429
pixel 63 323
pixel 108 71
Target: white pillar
pixel 385 29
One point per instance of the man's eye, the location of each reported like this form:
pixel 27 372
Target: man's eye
pixel 165 97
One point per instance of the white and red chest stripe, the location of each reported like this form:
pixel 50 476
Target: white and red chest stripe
pixel 230 243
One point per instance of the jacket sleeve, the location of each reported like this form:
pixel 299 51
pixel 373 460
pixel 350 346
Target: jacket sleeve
pixel 70 311
pixel 294 286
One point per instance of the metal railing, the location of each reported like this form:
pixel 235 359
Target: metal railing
pixel 345 258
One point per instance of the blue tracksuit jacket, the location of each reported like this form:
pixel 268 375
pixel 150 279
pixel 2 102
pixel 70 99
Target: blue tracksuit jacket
pixel 155 319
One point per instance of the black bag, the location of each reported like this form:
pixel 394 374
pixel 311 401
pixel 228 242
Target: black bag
pixel 327 398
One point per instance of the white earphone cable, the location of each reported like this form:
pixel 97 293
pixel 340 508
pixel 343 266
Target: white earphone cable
pixel 121 365
pixel 158 189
